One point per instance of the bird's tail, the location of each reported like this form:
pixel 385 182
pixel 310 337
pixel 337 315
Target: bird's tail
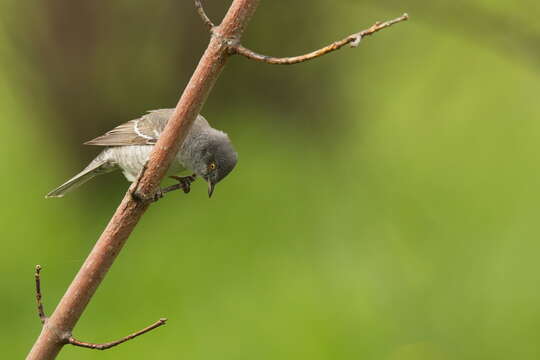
pixel 97 167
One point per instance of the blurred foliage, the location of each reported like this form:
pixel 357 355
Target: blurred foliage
pixel 384 207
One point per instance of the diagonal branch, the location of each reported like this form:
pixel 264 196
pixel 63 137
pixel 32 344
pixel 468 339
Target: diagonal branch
pixel 111 344
pixel 202 14
pixel 60 324
pixel 58 327
pixel 353 40
pixel 41 312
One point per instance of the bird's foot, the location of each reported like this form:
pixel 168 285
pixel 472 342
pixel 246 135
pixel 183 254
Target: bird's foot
pixel 184 182
pixel 158 195
pixel 147 199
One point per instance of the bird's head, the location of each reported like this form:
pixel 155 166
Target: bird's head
pixel 213 157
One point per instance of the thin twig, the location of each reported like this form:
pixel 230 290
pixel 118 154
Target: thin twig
pixel 202 14
pixel 76 342
pixel 41 312
pixel 353 40
pixel 111 344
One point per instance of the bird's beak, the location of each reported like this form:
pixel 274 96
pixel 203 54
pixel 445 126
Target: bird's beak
pixel 211 186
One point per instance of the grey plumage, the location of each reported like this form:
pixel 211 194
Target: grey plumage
pixel 206 151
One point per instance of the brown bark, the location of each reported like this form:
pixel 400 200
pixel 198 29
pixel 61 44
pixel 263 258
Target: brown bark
pixel 57 329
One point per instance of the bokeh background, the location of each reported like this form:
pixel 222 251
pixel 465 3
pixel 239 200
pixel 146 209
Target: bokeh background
pixel 385 205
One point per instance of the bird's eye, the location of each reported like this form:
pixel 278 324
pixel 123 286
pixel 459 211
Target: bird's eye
pixel 212 166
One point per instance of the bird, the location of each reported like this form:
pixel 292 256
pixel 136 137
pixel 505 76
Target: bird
pixel 207 152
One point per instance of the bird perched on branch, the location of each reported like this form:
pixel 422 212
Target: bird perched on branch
pixel 206 152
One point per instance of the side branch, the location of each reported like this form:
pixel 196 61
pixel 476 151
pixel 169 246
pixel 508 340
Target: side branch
pixel 41 312
pixel 202 14
pixel 111 344
pixel 353 40
pixel 71 340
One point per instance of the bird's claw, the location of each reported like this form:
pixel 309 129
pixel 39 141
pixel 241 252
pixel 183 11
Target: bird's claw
pixel 185 182
pixel 158 195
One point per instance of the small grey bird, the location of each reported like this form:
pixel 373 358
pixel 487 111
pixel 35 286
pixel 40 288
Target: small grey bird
pixel 206 152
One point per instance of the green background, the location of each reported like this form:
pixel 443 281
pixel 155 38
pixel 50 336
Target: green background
pixel 385 204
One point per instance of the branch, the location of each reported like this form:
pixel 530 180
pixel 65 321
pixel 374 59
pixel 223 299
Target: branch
pixel 111 344
pixel 353 40
pixel 202 14
pixel 71 340
pixel 130 210
pixel 59 326
pixel 41 312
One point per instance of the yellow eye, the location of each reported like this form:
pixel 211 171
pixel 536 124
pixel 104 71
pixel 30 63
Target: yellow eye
pixel 212 166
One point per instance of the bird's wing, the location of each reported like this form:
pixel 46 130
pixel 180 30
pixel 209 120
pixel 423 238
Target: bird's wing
pixel 143 131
